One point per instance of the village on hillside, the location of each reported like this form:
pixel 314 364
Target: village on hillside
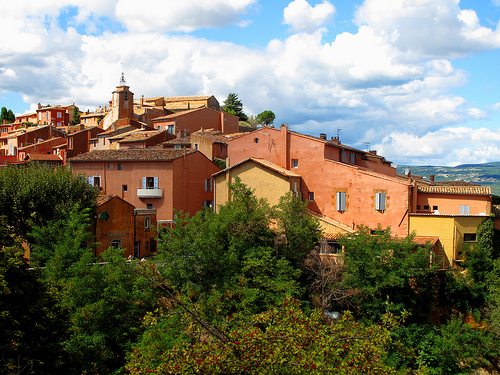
pixel 152 157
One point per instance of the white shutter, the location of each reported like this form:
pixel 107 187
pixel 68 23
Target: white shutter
pixel 156 182
pixel 380 201
pixel 144 182
pixel 341 201
pixel 464 210
pixel 91 180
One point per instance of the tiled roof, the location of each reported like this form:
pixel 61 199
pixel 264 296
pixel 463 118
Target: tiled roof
pixel 461 189
pixel 424 240
pixel 212 135
pixel 455 183
pixel 45 157
pixel 169 99
pixel 120 130
pixel 178 141
pixel 101 199
pixel 133 154
pixel 140 136
pixel 333 236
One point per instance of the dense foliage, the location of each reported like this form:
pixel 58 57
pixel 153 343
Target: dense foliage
pixel 242 290
pixel 266 118
pixel 7 115
pixel 234 106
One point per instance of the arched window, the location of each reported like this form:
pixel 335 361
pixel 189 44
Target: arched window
pixel 117 244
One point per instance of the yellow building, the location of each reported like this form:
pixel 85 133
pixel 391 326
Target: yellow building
pixel 268 180
pixel 453 231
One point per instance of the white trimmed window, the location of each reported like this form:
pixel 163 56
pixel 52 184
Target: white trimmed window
pixel 150 182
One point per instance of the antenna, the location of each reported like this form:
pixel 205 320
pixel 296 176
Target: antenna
pixel 338 133
pixel 367 145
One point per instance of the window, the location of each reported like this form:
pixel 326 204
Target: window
pixel 58 114
pixel 295 163
pixel 124 187
pixel 196 146
pixel 220 148
pixel 95 181
pixel 117 244
pixel 434 208
pixel 207 204
pixel 150 182
pixel 70 142
pixel 137 249
pixel 464 210
pixel 311 196
pixel 426 207
pixel 418 207
pixel 147 223
pixel 351 158
pixel 380 201
pixel 170 129
pixel 208 185
pixel 177 147
pixel 256 140
pixel 149 206
pixel 110 165
pixel 120 166
pixel 469 237
pixel 341 200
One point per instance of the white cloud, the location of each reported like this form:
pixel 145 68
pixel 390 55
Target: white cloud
pixel 428 28
pixel 302 17
pixel 175 15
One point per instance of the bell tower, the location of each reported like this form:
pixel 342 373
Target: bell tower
pixel 123 100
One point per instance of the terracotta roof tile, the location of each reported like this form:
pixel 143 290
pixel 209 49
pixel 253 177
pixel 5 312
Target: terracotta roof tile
pixel 141 136
pixel 134 154
pixel 461 189
pixel 44 157
pixel 179 141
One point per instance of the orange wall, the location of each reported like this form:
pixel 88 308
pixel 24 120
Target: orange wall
pixel 449 204
pixel 323 177
pixel 182 181
pixel 119 225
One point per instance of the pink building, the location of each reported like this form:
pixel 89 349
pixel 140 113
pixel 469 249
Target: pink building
pixel 187 122
pixel 160 179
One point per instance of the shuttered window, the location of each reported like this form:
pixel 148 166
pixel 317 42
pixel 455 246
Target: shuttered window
pixel 341 201
pixel 380 201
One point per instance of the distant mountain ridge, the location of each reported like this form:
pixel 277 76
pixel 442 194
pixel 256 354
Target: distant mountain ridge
pixel 487 174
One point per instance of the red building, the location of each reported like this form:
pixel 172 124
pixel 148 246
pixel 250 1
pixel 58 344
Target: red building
pixel 160 179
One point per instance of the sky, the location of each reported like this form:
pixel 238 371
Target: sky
pixel 416 80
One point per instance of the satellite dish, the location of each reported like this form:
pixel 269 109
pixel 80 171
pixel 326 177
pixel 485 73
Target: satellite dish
pixel 407 171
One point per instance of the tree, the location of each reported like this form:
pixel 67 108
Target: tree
pixel 233 105
pixel 75 116
pixel 266 118
pixel 380 267
pixel 34 194
pixel 281 340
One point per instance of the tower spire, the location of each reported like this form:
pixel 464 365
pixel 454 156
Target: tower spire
pixel 122 80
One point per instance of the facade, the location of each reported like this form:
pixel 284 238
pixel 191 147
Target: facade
pixel 341 183
pixel 160 179
pixel 118 224
pixel 10 143
pixel 180 103
pixel 187 122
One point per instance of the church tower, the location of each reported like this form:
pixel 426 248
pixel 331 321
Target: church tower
pixel 123 100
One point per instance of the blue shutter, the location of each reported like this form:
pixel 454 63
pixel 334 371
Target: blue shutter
pixel 156 182
pixel 144 182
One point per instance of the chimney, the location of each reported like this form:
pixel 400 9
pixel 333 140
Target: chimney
pixel 336 140
pixel 322 136
pixel 431 177
pixel 142 101
pixel 285 148
pixel 373 152
pixel 39 106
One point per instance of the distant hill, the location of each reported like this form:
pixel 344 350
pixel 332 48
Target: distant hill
pixel 487 174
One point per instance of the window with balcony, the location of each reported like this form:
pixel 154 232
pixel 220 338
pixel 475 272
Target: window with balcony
pixel 150 182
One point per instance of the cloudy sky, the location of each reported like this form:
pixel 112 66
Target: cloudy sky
pixel 417 80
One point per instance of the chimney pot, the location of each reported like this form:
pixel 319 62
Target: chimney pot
pixel 431 177
pixel 322 136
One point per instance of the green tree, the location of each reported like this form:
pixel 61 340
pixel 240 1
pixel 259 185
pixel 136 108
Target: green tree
pixel 298 232
pixel 75 116
pixel 10 117
pixel 34 194
pixel 281 340
pixel 266 118
pixel 3 114
pixel 32 324
pixel 226 259
pixel 380 267
pixel 234 106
